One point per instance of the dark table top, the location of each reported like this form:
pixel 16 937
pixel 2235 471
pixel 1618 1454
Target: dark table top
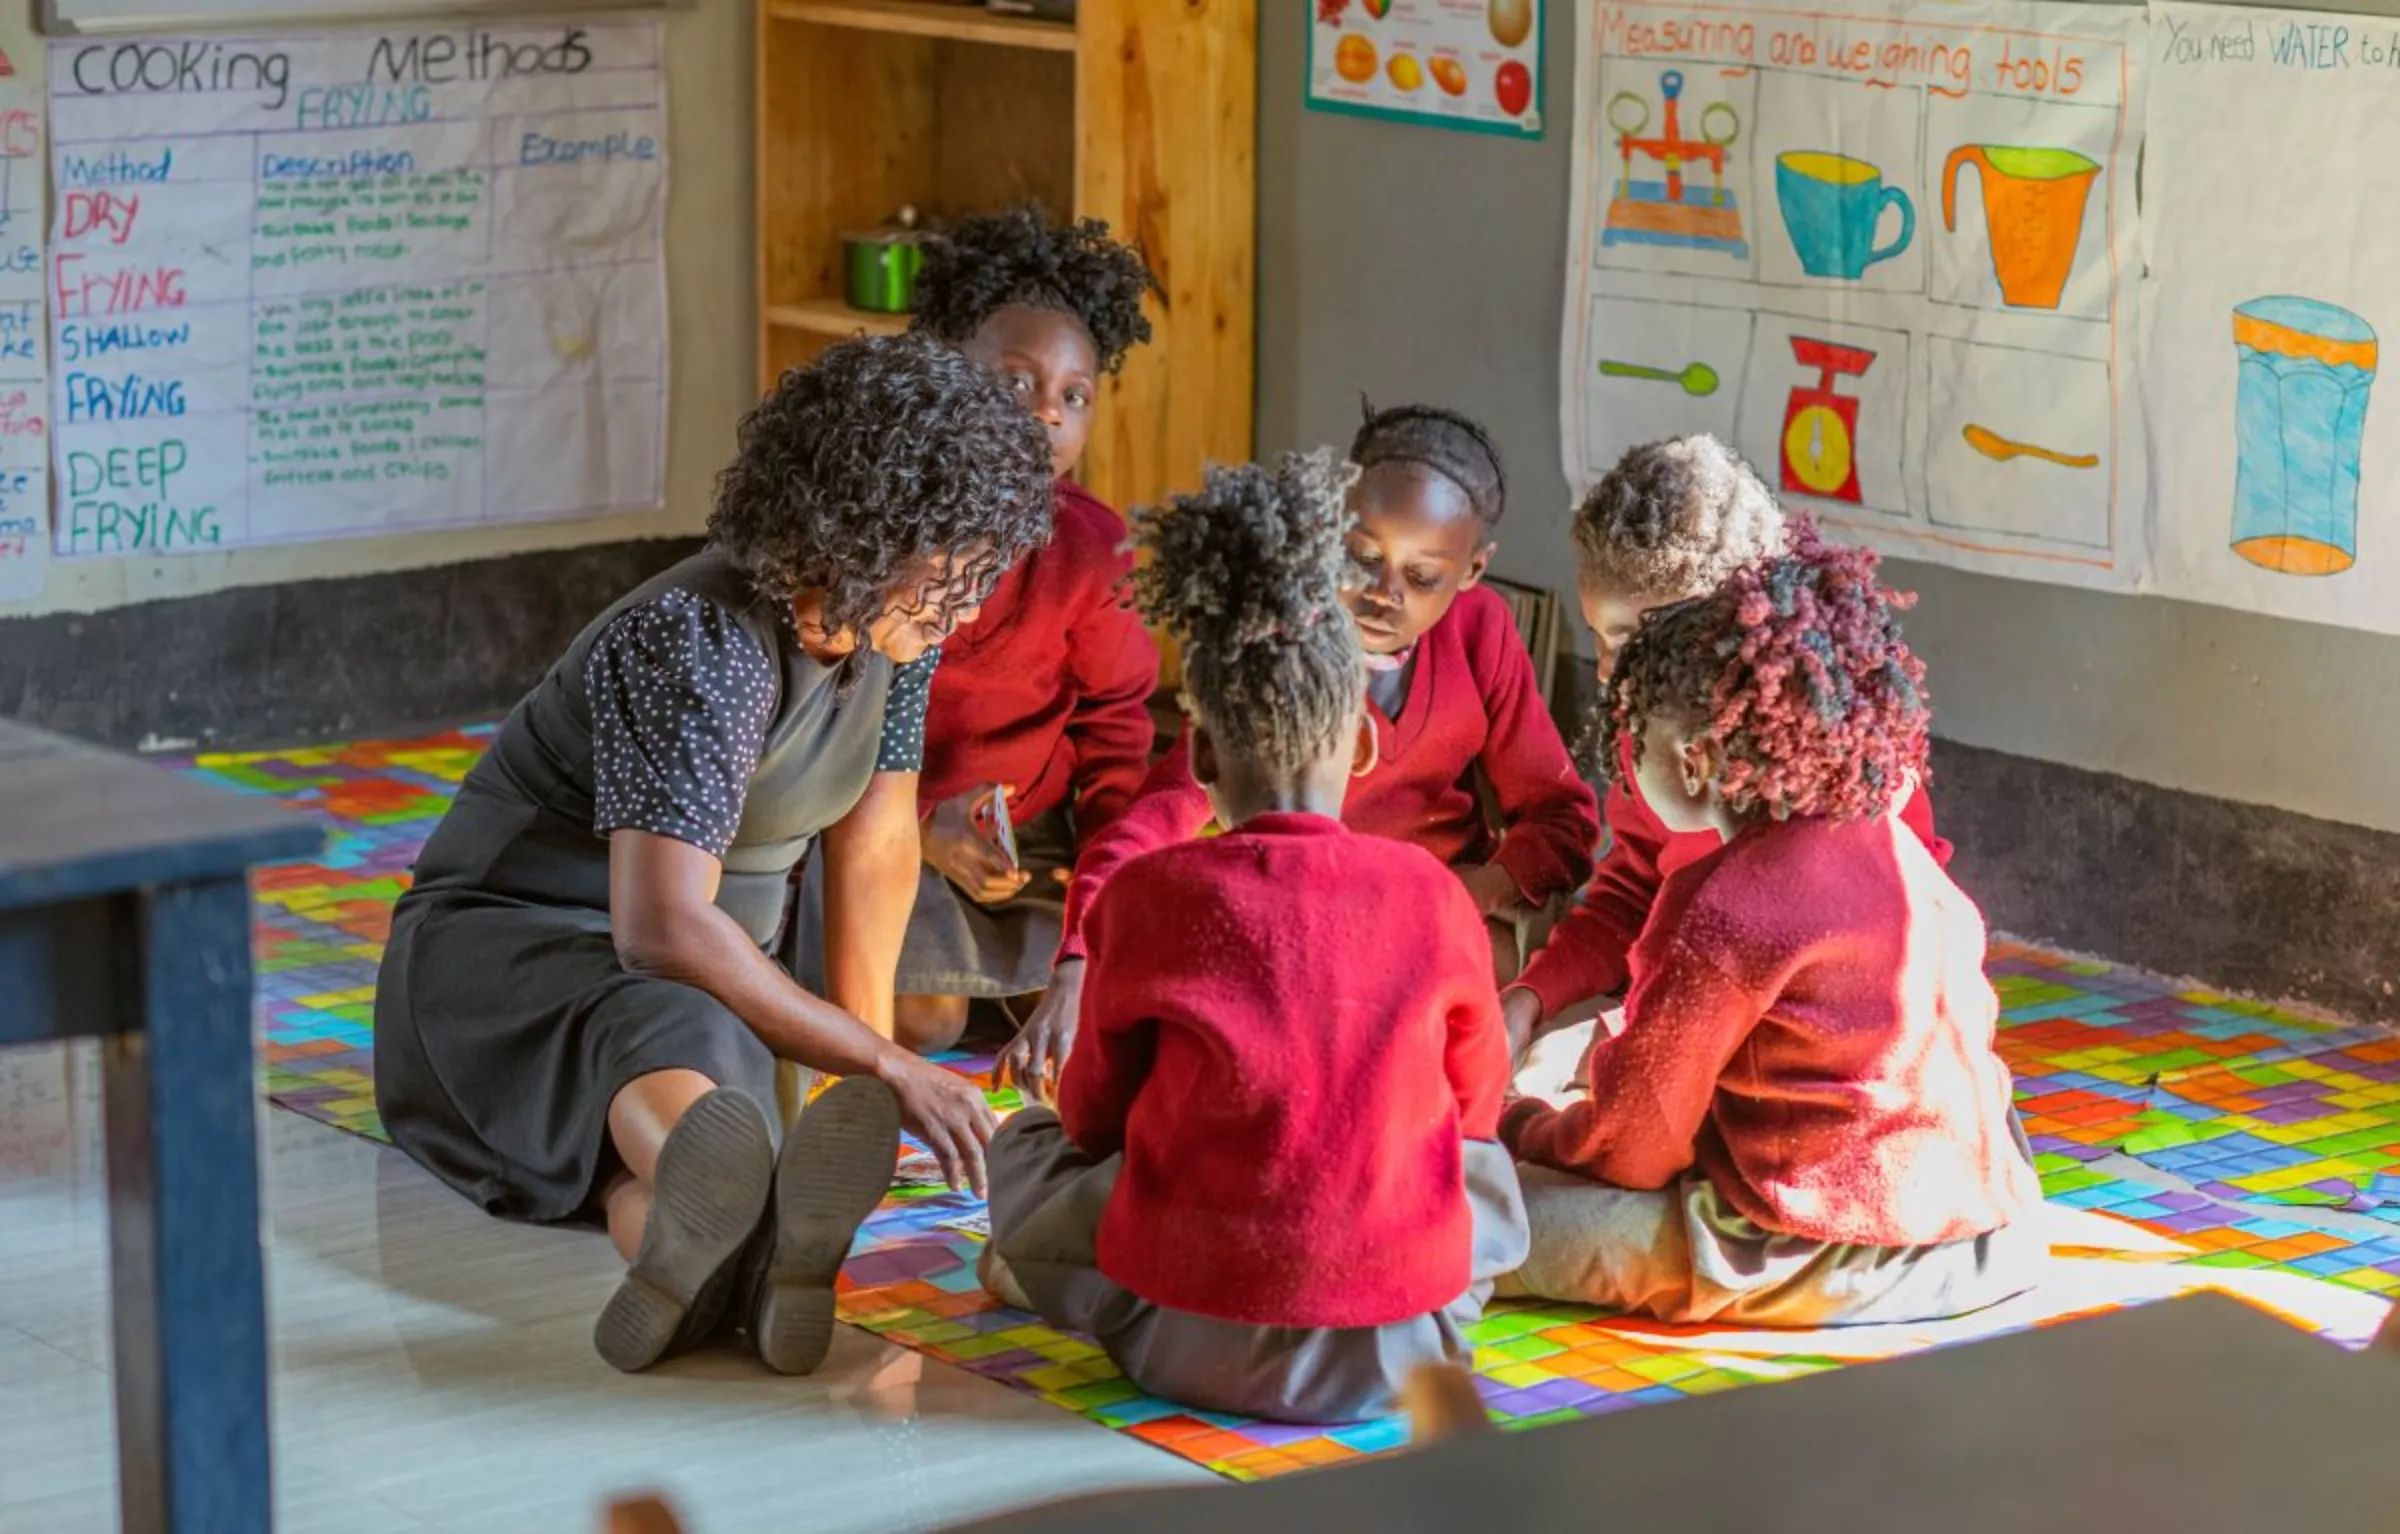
pixel 2198 1415
pixel 78 822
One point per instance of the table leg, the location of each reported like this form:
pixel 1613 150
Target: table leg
pixel 182 1122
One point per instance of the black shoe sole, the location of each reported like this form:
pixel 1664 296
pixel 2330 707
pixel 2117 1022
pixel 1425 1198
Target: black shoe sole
pixel 836 1166
pixel 714 1174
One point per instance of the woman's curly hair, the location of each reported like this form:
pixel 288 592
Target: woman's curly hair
pixel 867 464
pixel 1673 519
pixel 984 265
pixel 1247 576
pixel 1442 441
pixel 1796 667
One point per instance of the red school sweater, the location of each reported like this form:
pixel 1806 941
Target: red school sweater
pixel 1586 954
pixel 1049 687
pixel 1289 1032
pixel 1810 1025
pixel 1472 702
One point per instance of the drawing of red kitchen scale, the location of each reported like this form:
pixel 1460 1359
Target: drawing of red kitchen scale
pixel 1820 427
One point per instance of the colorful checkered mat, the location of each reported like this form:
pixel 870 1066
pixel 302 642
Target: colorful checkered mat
pixel 2262 1138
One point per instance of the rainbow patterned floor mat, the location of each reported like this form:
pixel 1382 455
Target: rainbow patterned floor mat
pixel 2262 1138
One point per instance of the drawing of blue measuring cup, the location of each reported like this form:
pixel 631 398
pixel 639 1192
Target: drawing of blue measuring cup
pixel 1832 205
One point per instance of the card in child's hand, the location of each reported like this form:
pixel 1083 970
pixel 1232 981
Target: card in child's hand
pixel 1004 831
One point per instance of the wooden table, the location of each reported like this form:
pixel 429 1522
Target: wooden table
pixel 2199 1415
pixel 125 916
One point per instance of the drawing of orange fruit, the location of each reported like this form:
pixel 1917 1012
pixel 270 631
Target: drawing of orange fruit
pixel 1354 59
pixel 1511 21
pixel 1406 73
pixel 1450 75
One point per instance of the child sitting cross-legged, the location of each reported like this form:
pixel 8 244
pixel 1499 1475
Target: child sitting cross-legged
pixel 1669 522
pixel 1801 1121
pixel 1270 1185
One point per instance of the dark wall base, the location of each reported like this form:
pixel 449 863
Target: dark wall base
pixel 2243 897
pixel 317 658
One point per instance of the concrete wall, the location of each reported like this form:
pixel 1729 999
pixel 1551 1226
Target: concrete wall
pixel 1415 263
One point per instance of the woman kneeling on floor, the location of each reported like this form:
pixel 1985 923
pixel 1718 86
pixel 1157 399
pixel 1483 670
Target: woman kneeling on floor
pixel 580 1013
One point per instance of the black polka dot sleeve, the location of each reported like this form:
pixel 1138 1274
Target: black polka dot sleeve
pixel 681 697
pixel 903 748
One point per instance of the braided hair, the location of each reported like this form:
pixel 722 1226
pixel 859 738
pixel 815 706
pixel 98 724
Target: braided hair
pixel 1673 519
pixel 1246 574
pixel 863 467
pixel 1019 258
pixel 1442 441
pixel 1795 666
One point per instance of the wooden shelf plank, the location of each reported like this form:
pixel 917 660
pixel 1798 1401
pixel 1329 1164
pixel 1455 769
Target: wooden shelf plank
pixel 832 317
pixel 930 18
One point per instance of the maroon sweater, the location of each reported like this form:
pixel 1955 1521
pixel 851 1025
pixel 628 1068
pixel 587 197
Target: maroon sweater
pixel 1049 688
pixel 1472 703
pixel 1289 1031
pixel 1587 951
pixel 1809 1025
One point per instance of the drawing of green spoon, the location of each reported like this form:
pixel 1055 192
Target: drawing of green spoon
pixel 1699 380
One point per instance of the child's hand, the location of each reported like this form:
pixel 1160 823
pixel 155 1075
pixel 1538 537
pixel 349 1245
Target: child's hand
pixel 956 847
pixel 1035 1056
pixel 1494 889
pixel 1522 1011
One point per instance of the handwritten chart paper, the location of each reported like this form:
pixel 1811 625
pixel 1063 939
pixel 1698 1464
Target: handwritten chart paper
pixel 2271 257
pixel 1474 65
pixel 24 385
pixel 354 282
pixel 1888 254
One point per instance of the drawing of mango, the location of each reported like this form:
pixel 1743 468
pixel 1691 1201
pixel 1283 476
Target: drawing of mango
pixel 1406 73
pixel 1511 21
pixel 1354 59
pixel 1449 74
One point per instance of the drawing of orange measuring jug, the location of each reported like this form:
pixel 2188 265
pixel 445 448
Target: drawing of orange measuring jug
pixel 2033 202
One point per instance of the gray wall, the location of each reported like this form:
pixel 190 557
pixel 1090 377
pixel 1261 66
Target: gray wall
pixel 1420 264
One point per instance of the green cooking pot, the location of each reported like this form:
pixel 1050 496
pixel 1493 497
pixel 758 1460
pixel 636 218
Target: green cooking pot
pixel 879 270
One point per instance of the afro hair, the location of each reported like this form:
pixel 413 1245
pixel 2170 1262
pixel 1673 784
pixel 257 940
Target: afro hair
pixel 1441 441
pixel 862 468
pixel 1796 667
pixel 1247 575
pixel 1005 260
pixel 1673 519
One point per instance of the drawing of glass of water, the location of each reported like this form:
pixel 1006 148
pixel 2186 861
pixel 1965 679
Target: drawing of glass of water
pixel 2300 415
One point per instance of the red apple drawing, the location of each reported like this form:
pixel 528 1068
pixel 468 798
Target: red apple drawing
pixel 1512 85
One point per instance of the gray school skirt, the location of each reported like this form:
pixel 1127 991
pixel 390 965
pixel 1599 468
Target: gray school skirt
pixel 1047 1196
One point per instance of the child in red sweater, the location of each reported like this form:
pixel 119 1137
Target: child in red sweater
pixel 1802 1120
pixel 1451 693
pixel 1669 523
pixel 1044 698
pixel 1270 1186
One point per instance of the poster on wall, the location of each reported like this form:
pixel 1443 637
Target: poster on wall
pixel 24 380
pixel 2273 285
pixel 359 282
pixel 1474 65
pixel 1889 253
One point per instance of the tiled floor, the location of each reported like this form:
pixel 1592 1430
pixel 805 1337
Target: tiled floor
pixel 434 1369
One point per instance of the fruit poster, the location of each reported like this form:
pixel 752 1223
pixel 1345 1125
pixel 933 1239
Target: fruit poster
pixel 1888 252
pixel 1474 65
pixel 2271 265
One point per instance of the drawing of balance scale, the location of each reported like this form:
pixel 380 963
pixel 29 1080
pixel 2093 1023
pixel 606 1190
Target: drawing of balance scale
pixel 1672 211
pixel 1820 426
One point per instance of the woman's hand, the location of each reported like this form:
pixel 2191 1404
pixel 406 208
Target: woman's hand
pixel 1038 1053
pixel 1494 889
pixel 957 849
pixel 947 1112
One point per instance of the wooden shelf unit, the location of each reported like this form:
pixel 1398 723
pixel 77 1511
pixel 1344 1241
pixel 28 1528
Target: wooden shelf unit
pixel 1140 113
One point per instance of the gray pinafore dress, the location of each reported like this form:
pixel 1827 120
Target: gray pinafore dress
pixel 504 1025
